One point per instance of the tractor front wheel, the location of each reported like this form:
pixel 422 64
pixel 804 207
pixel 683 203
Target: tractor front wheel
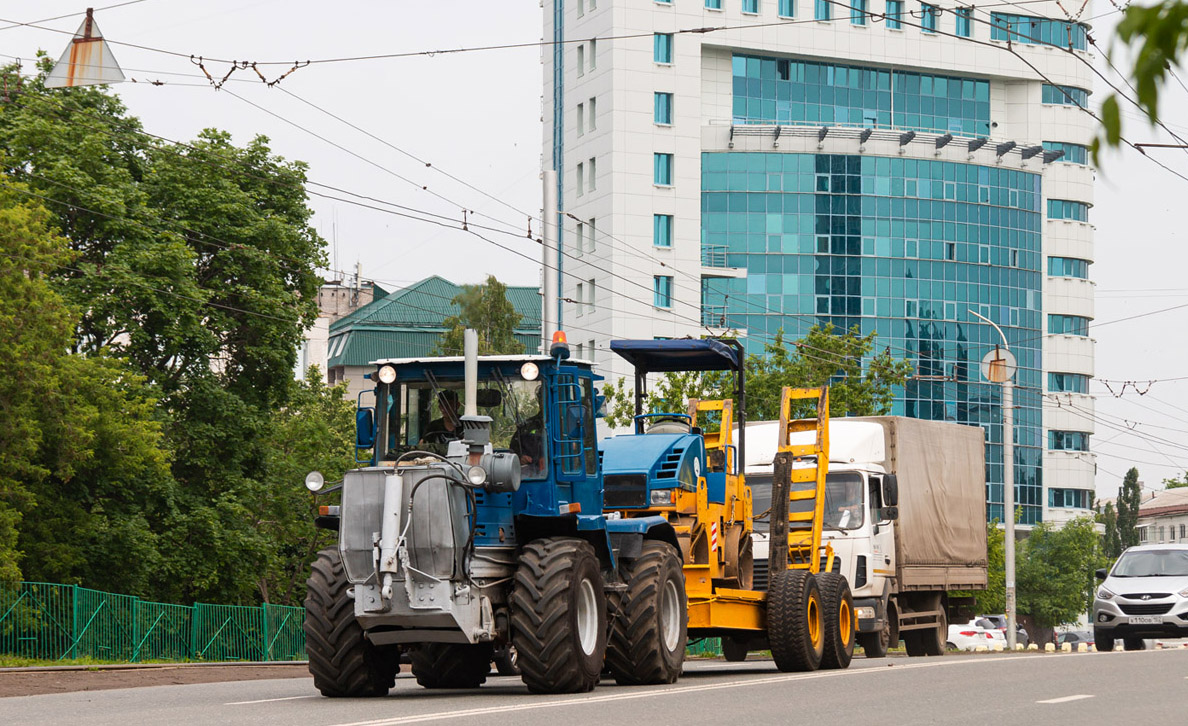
pixel 648 630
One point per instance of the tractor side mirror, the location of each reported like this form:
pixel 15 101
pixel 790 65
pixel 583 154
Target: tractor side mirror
pixel 890 491
pixel 364 428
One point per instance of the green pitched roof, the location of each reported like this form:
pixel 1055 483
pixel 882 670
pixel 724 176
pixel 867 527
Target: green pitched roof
pixel 408 322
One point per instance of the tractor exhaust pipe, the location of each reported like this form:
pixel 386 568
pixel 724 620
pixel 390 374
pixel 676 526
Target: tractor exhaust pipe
pixel 470 368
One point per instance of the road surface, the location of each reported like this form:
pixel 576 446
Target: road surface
pixel 991 689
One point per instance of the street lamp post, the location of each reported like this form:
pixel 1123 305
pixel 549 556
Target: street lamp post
pixel 998 366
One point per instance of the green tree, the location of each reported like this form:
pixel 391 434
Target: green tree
pixel 486 309
pixel 824 356
pixel 1055 571
pixel 1111 539
pixel 993 598
pixel 1129 499
pixel 1176 482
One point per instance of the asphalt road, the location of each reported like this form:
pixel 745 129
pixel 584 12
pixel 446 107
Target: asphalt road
pixel 1088 688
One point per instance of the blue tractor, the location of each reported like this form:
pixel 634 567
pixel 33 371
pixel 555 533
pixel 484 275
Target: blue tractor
pixel 477 526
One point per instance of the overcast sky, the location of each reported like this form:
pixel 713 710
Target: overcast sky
pixel 476 117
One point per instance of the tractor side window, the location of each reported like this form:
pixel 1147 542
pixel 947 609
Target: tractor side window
pixel 590 441
pixel 523 404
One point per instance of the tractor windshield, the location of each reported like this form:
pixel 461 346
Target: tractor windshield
pixel 426 416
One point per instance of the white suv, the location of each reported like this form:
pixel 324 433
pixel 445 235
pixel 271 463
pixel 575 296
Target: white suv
pixel 1144 596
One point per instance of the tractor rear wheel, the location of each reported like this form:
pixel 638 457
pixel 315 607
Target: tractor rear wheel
pixel 558 616
pixel 839 620
pixel 795 627
pixel 344 664
pixel 452 665
pixel 648 626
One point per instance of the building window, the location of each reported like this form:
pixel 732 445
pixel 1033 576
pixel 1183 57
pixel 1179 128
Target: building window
pixel 1068 441
pixel 1068 325
pixel 1065 96
pixel 666 2
pixel 964 16
pixel 662 172
pixel 1068 383
pixel 581 60
pixel 857 12
pixel 662 48
pixel 593 104
pixel 713 4
pixel 662 230
pixel 1068 267
pixel 662 291
pixel 750 6
pixel 593 173
pixel 787 8
pixel 593 53
pixel 1038 31
pixel 1070 499
pixel 1073 153
pixel 579 299
pixel 1065 209
pixel 591 230
pixel 895 14
pixel 579 239
pixel 663 109
pixel 590 296
pixel 822 10
pixel 928 16
pixel 581 179
pixel 581 119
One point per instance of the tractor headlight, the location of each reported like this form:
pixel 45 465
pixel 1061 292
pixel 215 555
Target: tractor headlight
pixel 663 497
pixel 476 475
pixel 1104 594
pixel 314 481
pixel 387 374
pixel 529 371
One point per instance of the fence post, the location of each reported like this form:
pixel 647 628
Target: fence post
pixel 135 629
pixel 194 632
pixel 74 622
pixel 266 646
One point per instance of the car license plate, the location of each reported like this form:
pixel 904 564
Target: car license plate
pixel 1145 620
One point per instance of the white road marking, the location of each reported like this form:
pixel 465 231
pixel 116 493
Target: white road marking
pixel 268 700
pixel 658 692
pixel 1066 699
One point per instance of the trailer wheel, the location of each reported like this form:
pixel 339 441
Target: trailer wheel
pixel 795 627
pixel 452 665
pixel 343 663
pixel 839 620
pixel 734 650
pixel 649 624
pixel 558 616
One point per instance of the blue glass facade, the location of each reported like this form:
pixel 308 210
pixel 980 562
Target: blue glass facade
pixel 786 91
pixel 1068 267
pixel 1073 153
pixel 1038 31
pixel 1068 383
pixel 903 248
pixel 1064 96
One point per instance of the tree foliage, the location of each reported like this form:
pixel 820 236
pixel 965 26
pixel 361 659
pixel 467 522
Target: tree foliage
pixel 861 384
pixel 1111 539
pixel 486 309
pixel 1176 482
pixel 1129 500
pixel 1055 566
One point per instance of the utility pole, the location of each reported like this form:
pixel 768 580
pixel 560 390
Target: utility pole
pixel 998 366
pixel 550 282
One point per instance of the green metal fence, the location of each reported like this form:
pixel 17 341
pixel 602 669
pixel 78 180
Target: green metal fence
pixel 56 622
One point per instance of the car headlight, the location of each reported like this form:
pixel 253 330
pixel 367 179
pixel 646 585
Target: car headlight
pixel 1104 594
pixel 663 497
pixel 1184 592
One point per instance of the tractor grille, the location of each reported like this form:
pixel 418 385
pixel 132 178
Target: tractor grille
pixel 672 462
pixel 760 574
pixel 1145 609
pixel 625 490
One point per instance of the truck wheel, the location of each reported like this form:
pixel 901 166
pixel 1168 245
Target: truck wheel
pixel 877 644
pixel 1103 640
pixel 795 628
pixel 452 665
pixel 928 641
pixel 506 661
pixel 733 650
pixel 558 616
pixel 648 629
pixel 343 663
pixel 839 620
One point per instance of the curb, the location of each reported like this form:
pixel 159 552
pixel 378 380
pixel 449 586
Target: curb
pixel 151 666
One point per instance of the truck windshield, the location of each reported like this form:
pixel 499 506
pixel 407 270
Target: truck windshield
pixel 425 417
pixel 1152 563
pixel 843 500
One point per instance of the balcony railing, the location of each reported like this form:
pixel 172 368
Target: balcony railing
pixel 713 255
pixel 713 315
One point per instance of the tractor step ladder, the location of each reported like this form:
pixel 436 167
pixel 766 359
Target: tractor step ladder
pixel 718 443
pixel 798 489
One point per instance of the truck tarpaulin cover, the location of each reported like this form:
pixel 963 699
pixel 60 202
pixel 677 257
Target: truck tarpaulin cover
pixel 941 537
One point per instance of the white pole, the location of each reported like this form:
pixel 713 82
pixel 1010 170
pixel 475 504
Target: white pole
pixel 1008 502
pixel 470 370
pixel 548 319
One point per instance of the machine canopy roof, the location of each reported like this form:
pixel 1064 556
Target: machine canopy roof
pixel 662 356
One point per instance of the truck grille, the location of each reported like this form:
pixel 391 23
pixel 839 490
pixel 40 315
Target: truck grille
pixel 625 490
pixel 760 574
pixel 1145 609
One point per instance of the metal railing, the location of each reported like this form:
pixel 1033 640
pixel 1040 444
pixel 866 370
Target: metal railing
pixel 713 315
pixel 713 255
pixel 47 621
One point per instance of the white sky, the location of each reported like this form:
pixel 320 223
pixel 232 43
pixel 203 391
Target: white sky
pixel 477 117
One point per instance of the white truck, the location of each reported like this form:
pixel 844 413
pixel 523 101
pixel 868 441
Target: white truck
pixel 905 513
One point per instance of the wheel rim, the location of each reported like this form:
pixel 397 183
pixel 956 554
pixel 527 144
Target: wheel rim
pixel 814 621
pixel 885 633
pixel 844 623
pixel 587 617
pixel 670 615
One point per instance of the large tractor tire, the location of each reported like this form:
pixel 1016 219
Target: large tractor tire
pixel 649 623
pixel 344 664
pixel 558 616
pixel 795 627
pixel 839 620
pixel 876 645
pixel 452 665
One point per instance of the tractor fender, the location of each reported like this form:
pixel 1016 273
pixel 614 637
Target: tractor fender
pixel 646 528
